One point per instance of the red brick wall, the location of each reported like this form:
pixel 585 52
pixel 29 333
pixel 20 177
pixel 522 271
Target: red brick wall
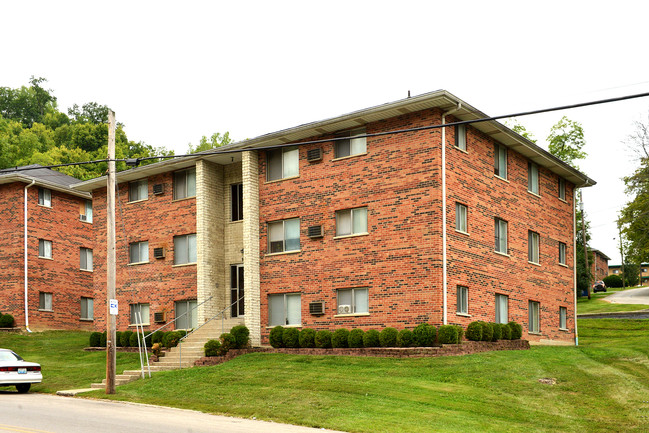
pixel 599 267
pixel 156 220
pixel 400 261
pixel 61 275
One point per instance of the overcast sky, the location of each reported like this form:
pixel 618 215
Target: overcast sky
pixel 175 71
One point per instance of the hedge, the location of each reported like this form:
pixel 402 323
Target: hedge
pixel 356 338
pixel 291 337
pixel 474 331
pixel 517 330
pixel 340 338
pixel 371 338
pixel 307 338
pixel 506 331
pixel 95 339
pixel 448 334
pixel 6 320
pixel 241 335
pixel 405 338
pixel 275 337
pixel 323 339
pixel 388 337
pixel 212 348
pixel 424 335
pixel 496 331
pixel 487 331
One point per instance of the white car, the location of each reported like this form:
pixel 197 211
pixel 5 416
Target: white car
pixel 15 371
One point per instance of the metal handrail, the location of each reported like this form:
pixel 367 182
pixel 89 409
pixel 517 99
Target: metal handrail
pixel 174 321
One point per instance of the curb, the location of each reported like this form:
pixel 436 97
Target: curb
pixel 616 313
pixel 74 392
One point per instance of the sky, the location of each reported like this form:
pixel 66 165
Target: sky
pixel 176 71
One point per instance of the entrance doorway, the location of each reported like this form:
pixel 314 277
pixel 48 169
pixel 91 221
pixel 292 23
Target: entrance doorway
pixel 236 291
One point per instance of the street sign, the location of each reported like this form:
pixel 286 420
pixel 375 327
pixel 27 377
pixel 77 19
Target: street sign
pixel 113 307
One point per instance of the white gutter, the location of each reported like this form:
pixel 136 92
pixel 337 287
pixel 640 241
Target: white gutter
pixel 26 268
pixel 574 257
pixel 444 240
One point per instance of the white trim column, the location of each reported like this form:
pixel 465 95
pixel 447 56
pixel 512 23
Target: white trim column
pixel 250 172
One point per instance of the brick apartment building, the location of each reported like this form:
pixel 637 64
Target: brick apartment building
pixel 47 250
pixel 599 265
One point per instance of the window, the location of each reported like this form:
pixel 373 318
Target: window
pixel 186 314
pixel 502 308
pixel 533 178
pixel 562 188
pixel 44 249
pixel 460 137
pixel 139 190
pixel 139 252
pixel 461 218
pixel 283 163
pixel 86 259
pixel 533 247
pixel 185 184
pixel 85 213
pixel 462 300
pixel 185 249
pixel 534 317
pixel 616 271
pixel 500 161
pixel 285 309
pixel 501 235
pixel 44 197
pixel 45 301
pixel 562 318
pixel 354 145
pixel 562 253
pixel 351 221
pixel 353 301
pixel 236 201
pixel 140 314
pixel 284 236
pixel 87 309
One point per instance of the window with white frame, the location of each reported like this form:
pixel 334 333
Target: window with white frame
pixel 45 301
pixel 185 249
pixel 45 197
pixel 351 221
pixel 534 318
pixel 85 213
pixel 140 314
pixel 352 301
pixel 236 201
pixel 139 252
pixel 356 144
pixel 562 253
pixel 533 178
pixel 500 233
pixel 138 190
pixel 283 163
pixel 502 308
pixel 462 300
pixel 500 160
pixel 284 236
pixel 44 249
pixel 533 247
pixel 461 212
pixel 85 257
pixel 563 315
pixel 562 188
pixel 87 308
pixel 285 309
pixel 460 137
pixel 185 183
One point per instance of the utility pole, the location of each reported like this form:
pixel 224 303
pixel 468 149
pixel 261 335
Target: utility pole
pixel 110 258
pixel 583 237
pixel 619 229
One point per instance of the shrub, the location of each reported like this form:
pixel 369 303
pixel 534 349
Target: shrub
pixel 371 338
pixel 474 331
pixel 424 335
pixel 103 339
pixel 460 334
pixel 448 334
pixel 227 342
pixel 156 349
pixel 241 335
pixel 171 339
pixel 340 338
pixel 613 281
pixel 307 338
pixel 517 330
pixel 157 337
pixel 6 320
pixel 125 338
pixel 291 337
pixel 405 338
pixel 323 339
pixel 487 331
pixel 275 337
pixel 388 337
pixel 505 331
pixel 496 330
pixel 118 338
pixel 355 338
pixel 95 339
pixel 212 347
pixel 133 340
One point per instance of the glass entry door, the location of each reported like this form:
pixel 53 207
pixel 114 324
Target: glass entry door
pixel 186 314
pixel 236 290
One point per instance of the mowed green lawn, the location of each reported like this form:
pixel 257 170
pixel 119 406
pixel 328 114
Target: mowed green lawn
pixel 597 305
pixel 601 386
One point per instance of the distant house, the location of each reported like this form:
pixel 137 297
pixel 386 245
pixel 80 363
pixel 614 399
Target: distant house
pixel 599 266
pixel 644 272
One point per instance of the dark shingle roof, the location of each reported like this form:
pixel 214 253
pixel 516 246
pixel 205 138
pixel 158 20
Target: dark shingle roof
pixel 39 172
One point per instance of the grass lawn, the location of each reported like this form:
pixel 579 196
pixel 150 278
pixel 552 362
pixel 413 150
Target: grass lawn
pixel 597 305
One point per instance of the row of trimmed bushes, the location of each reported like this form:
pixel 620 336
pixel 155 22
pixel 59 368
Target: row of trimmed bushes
pixel 130 338
pixel 489 331
pixel 6 320
pixel 237 338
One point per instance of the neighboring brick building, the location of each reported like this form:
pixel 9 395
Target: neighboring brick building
pixel 644 272
pixel 599 265
pixel 55 289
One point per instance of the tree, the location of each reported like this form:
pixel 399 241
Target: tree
pixel 216 140
pixel 90 112
pixel 26 105
pixel 566 140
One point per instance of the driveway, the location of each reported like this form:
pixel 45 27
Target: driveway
pixel 631 296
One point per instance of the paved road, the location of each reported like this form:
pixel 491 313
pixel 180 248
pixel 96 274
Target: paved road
pixel 41 413
pixel 631 296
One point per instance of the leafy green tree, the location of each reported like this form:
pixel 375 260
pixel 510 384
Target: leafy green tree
pixel 216 140
pixel 90 112
pixel 566 140
pixel 26 105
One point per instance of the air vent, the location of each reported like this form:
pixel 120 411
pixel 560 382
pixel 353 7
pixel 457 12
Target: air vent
pixel 316 308
pixel 160 317
pixel 158 188
pixel 159 253
pixel 314 155
pixel 314 232
pixel 344 309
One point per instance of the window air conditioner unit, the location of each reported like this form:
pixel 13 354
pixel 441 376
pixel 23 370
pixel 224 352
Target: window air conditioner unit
pixel 344 309
pixel 160 317
pixel 316 308
pixel 158 188
pixel 83 217
pixel 314 232
pixel 314 155
pixel 159 253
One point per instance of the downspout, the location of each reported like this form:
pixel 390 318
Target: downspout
pixel 26 268
pixel 444 240
pixel 574 259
